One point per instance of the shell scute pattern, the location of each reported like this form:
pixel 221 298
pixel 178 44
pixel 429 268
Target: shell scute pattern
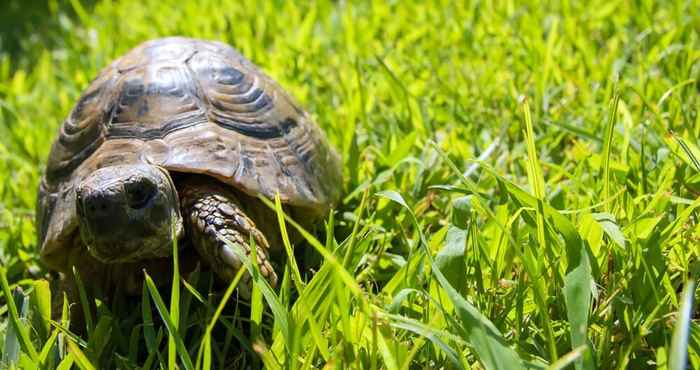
pixel 238 99
pixel 82 132
pixel 155 101
pixel 189 106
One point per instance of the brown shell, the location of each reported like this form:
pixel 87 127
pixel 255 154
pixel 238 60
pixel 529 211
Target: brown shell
pixel 189 106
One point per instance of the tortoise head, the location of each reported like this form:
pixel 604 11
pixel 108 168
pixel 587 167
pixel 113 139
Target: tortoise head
pixel 128 212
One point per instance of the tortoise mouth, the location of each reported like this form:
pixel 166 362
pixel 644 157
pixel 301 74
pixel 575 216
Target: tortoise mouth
pixel 120 253
pixel 120 247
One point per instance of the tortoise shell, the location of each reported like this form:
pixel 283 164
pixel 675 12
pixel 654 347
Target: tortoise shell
pixel 189 106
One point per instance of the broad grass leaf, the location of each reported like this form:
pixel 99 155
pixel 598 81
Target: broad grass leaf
pixel 451 259
pixel 591 231
pixel 643 227
pixel 401 150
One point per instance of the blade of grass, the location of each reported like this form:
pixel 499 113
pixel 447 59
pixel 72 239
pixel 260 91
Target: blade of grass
pixel 11 349
pixel 678 353
pixel 478 330
pixel 578 281
pixel 79 357
pixel 66 363
pixel 152 355
pixel 536 180
pixel 69 334
pixel 149 332
pixel 688 151
pixel 17 324
pixel 172 329
pixel 565 361
pixel 430 333
pixel 330 258
pixel 41 299
pixel 279 312
pixel 389 360
pixel 291 261
pixel 355 228
pixel 204 353
pixel 607 147
pixel 48 346
pixel 174 298
pixel 266 356
pixel 86 308
pixel 256 303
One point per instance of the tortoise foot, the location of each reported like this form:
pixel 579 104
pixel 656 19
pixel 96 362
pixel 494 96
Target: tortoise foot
pixel 216 223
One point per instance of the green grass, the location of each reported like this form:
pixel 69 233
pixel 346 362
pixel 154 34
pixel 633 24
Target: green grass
pixel 521 187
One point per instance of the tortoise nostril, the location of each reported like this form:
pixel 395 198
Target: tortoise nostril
pixel 140 192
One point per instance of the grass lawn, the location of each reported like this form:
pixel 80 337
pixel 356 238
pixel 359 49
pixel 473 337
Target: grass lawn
pixel 521 186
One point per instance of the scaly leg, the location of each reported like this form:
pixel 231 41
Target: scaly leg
pixel 213 214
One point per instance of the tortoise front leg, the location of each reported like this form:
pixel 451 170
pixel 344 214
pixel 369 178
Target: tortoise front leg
pixel 213 214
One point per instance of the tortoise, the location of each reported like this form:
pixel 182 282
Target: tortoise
pixel 177 139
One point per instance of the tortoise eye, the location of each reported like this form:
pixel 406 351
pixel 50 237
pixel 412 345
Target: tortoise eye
pixel 139 192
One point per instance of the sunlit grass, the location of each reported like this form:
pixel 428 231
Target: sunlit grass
pixel 521 188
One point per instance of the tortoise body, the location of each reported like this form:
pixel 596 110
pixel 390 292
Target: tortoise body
pixel 189 107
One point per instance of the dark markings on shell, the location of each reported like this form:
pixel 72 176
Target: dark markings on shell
pixel 256 129
pixel 158 108
pixel 128 130
pixel 131 92
pixel 247 163
pixel 143 108
pixel 288 124
pixel 254 102
pixel 227 75
pixel 296 146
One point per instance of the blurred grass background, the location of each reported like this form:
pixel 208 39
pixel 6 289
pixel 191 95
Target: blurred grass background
pixel 565 244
